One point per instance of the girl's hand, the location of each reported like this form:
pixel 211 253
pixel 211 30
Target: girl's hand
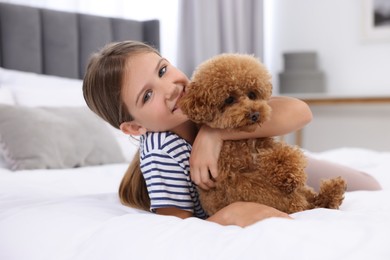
pixel 245 213
pixel 204 157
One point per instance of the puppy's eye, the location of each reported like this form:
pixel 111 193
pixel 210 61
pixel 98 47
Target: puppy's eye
pixel 230 100
pixel 252 95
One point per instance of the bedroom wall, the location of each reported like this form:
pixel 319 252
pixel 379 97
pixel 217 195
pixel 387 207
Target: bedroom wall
pixel 352 64
pixel 332 28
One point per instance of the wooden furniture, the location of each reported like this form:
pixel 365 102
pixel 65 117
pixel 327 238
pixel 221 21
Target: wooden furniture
pixel 332 100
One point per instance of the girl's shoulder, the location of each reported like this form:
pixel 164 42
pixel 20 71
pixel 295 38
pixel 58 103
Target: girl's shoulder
pixel 166 142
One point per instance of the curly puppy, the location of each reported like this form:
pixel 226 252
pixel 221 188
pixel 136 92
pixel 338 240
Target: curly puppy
pixel 231 91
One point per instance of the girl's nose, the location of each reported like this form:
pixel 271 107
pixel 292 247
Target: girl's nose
pixel 172 91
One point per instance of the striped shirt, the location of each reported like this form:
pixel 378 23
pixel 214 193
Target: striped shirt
pixel 164 158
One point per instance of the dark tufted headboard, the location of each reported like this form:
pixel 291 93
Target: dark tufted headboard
pixel 59 43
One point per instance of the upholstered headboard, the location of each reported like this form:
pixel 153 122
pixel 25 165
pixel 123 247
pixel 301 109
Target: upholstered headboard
pixel 59 43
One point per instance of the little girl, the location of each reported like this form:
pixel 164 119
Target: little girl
pixel 133 88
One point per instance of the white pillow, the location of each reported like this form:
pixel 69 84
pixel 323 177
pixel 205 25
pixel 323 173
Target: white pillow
pixel 31 89
pixel 6 96
pixel 128 144
pixel 55 138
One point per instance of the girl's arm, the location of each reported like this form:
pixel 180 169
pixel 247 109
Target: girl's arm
pixel 174 212
pixel 245 213
pixel 238 213
pixel 288 115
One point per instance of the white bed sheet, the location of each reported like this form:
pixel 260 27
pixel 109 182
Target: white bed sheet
pixel 75 214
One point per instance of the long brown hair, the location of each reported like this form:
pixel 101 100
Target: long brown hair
pixel 102 90
pixel 132 190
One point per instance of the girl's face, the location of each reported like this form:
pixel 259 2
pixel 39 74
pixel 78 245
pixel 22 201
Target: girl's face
pixel 151 90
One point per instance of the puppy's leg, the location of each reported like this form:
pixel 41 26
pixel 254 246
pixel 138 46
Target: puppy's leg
pixel 284 166
pixel 331 193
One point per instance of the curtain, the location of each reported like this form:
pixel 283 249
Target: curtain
pixel 211 27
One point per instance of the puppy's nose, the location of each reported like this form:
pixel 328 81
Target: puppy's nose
pixel 254 116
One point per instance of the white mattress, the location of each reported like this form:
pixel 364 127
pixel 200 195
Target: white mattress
pixel 75 214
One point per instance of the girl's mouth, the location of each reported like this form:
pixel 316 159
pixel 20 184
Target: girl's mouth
pixel 177 100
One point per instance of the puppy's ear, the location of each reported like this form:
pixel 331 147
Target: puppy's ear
pixel 195 104
pixel 267 90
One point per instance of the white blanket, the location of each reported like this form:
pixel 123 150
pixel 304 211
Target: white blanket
pixel 76 214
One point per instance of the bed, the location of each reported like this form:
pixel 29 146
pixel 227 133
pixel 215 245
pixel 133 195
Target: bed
pixel 60 167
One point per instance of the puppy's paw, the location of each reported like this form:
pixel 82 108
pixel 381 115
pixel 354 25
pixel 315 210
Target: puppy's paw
pixel 286 183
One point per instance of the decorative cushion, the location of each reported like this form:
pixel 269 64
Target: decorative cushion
pixel 55 137
pixel 36 90
pixel 5 98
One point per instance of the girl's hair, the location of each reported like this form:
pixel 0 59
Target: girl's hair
pixel 102 90
pixel 103 80
pixel 132 190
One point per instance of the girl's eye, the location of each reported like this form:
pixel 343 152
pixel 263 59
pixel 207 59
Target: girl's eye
pixel 162 71
pixel 147 96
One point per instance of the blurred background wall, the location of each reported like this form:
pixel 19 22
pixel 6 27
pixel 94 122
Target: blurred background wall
pixel 353 62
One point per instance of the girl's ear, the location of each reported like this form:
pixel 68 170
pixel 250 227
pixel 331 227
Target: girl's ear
pixel 132 128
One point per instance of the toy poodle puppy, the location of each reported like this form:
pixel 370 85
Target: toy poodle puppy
pixel 231 91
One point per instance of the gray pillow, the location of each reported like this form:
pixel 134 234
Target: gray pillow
pixel 55 137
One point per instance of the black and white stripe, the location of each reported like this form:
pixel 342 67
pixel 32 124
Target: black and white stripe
pixel 165 166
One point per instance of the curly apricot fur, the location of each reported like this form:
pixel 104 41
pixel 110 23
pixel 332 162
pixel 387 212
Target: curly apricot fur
pixel 230 91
